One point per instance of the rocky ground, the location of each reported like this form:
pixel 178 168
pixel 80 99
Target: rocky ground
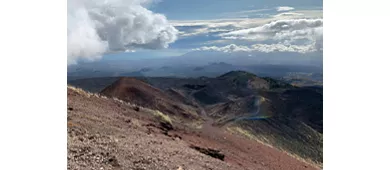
pixel 105 133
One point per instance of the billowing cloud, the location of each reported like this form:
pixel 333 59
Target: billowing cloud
pixel 284 8
pixel 266 48
pixel 96 27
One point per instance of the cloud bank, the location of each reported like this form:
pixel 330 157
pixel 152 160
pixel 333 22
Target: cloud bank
pixel 266 48
pixel 96 27
pixel 280 29
pixel 284 8
pixel 289 31
pixel 202 27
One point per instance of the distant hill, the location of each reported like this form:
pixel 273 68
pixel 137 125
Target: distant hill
pixel 211 69
pixel 143 94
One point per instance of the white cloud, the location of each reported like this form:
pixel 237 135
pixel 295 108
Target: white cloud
pixel 283 48
pixel 198 27
pixel 277 28
pixel 284 8
pixel 99 26
pixel 212 23
pixel 250 11
pixel 193 32
pixel 311 13
pixel 228 48
pixel 222 41
pixel 288 14
pixel 266 48
pixel 201 31
pixel 290 30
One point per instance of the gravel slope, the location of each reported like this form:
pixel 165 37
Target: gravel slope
pixel 105 133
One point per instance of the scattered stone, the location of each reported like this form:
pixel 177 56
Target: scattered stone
pixel 208 151
pixel 166 126
pixel 177 136
pixel 113 161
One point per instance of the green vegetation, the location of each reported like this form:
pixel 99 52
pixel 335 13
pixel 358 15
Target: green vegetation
pixel 303 143
pixel 162 117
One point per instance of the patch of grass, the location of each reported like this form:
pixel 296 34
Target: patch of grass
pixel 162 117
pixel 195 124
pixel 249 135
pixel 85 93
pixel 245 133
pixel 308 153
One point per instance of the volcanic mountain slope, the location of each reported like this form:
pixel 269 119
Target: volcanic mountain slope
pixel 94 85
pixel 262 109
pixel 285 123
pixel 140 93
pixel 284 116
pixel 107 133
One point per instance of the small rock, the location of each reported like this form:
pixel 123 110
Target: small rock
pixel 211 152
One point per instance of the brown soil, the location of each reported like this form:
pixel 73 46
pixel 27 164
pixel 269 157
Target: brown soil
pixel 108 134
pixel 140 93
pixel 240 151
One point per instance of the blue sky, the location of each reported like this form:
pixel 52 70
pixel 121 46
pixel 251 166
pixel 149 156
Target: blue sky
pixel 232 25
pixel 212 9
